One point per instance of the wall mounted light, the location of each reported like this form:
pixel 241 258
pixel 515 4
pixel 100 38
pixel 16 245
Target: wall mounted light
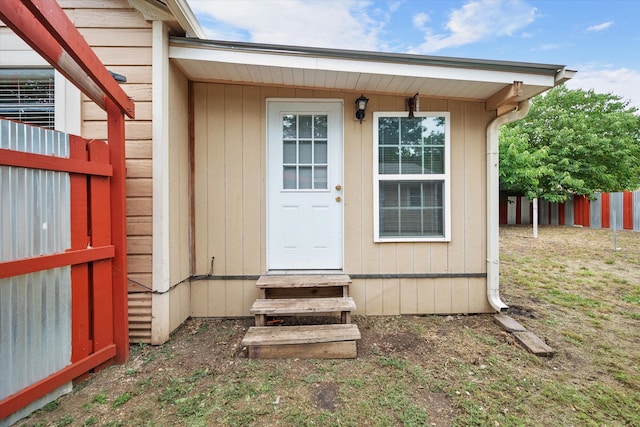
pixel 413 104
pixel 361 106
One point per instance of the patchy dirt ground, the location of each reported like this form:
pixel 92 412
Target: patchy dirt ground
pixel 568 286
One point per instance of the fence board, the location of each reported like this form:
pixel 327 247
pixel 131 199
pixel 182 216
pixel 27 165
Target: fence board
pixel 100 214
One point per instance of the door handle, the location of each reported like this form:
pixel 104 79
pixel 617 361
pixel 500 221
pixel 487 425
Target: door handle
pixel 338 199
pixel 338 187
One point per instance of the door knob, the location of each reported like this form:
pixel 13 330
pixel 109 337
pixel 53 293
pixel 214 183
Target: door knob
pixel 338 187
pixel 338 199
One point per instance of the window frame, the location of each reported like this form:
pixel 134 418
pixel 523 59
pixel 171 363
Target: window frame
pixel 67 97
pixel 445 178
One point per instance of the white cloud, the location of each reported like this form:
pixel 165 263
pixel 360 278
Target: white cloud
pixel 479 20
pixel 622 82
pixel 343 24
pixel 420 20
pixel 600 27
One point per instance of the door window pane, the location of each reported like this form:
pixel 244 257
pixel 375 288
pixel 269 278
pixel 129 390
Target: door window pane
pixel 289 152
pixel 304 152
pixel 304 177
pixel 304 123
pixel 289 126
pixel 320 152
pixel 289 178
pixel 320 126
pixel 320 177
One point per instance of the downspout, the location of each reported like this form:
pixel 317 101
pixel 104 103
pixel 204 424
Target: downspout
pixel 493 202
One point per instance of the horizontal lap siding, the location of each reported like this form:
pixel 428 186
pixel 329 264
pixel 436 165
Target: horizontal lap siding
pixel 230 206
pixel 121 38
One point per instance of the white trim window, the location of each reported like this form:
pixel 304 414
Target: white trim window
pixel 28 96
pixel 411 177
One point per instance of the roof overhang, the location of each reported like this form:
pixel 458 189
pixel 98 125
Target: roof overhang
pixel 176 13
pixel 498 83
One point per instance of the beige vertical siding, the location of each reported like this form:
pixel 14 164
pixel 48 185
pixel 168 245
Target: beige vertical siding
pixel 179 211
pixel 230 177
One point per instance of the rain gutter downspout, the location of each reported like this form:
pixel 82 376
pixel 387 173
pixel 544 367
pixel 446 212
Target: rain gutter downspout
pixel 493 203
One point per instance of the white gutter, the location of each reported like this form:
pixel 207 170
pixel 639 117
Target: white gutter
pixel 493 201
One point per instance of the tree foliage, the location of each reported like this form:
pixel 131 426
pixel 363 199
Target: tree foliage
pixel 572 142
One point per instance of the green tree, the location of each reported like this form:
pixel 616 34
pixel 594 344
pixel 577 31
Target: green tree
pixel 572 142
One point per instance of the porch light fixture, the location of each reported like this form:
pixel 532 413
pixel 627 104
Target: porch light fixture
pixel 413 104
pixel 361 106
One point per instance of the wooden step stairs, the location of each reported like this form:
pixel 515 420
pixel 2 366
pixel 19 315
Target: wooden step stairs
pixel 302 295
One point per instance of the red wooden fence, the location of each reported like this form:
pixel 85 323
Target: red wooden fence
pixel 90 257
pixel 598 213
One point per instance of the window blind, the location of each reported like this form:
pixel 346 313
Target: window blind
pixel 27 95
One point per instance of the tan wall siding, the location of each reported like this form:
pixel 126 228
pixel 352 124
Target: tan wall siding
pixel 179 219
pixel 230 173
pixel 121 38
pixel 179 211
pixel 179 305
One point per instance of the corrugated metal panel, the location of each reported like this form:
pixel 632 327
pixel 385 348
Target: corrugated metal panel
pixel 511 209
pixel 554 213
pixel 35 309
pixel 568 212
pixel 636 210
pixel 595 212
pixel 617 212
pixel 543 212
pixel 525 211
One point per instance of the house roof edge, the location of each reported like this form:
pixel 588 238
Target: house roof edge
pixel 404 58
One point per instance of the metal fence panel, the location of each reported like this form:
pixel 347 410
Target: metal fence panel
pixel 617 210
pixel 568 212
pixel 35 309
pixel 525 211
pixel 595 212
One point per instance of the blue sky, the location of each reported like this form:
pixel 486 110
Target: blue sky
pixel 599 38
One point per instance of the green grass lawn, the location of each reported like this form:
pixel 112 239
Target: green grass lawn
pixel 568 286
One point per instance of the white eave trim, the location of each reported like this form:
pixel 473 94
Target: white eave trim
pixel 357 66
pixel 186 18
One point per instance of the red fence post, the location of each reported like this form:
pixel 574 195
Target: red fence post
pixel 81 345
pixel 582 215
pixel 100 216
pixel 605 207
pixel 504 208
pixel 627 210
pixel 115 132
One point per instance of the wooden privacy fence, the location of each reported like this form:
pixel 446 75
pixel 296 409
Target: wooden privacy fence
pixel 42 314
pixel 607 210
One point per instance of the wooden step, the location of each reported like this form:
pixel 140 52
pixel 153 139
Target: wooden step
pixel 290 306
pixel 303 342
pixel 301 334
pixel 303 281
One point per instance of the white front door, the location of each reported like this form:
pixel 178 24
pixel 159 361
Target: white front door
pixel 304 195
